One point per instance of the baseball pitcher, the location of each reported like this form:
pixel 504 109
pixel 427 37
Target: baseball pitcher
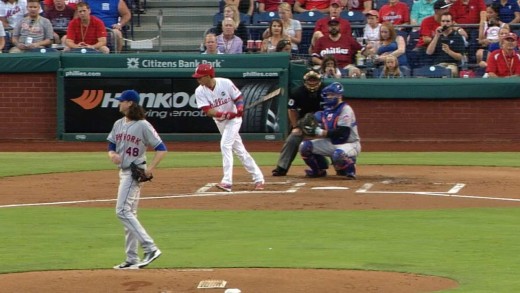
pixel 128 140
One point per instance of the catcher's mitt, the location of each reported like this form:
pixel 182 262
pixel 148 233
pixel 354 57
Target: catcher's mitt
pixel 139 174
pixel 308 124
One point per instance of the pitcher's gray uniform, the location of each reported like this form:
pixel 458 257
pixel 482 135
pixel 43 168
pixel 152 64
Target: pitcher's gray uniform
pixel 129 139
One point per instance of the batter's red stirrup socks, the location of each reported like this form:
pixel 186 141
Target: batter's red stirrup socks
pixel 259 185
pixel 224 186
pixel 125 266
pixel 148 258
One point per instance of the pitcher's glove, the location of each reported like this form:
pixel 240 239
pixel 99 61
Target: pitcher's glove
pixel 308 124
pixel 139 174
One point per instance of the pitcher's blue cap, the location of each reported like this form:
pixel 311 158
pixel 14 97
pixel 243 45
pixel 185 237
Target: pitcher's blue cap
pixel 129 95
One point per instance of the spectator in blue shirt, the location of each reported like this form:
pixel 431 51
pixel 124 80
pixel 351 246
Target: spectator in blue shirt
pixel 114 14
pixel 509 11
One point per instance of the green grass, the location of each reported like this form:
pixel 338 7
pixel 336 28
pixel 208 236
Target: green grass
pixel 477 247
pixel 25 163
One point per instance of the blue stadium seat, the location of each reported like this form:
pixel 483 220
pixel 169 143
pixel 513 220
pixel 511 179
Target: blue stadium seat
pixel 308 17
pixel 430 71
pixel 218 17
pixel 264 17
pixel 354 17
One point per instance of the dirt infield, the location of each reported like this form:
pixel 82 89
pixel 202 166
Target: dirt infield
pixel 378 187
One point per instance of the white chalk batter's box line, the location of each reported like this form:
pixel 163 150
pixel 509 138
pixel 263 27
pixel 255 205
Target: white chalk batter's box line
pixel 292 188
pixel 452 192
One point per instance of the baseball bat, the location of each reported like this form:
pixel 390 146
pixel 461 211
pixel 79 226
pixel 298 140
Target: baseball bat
pixel 267 97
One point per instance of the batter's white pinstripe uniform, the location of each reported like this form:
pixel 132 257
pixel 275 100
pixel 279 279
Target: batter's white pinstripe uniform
pixel 221 98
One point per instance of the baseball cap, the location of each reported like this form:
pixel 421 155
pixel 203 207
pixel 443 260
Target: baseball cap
pixel 129 95
pixel 333 21
pixel 203 70
pixel 511 36
pixel 372 12
pixel 441 4
pixel 337 2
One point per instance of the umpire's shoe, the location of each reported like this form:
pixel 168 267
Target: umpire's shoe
pixel 148 258
pixel 279 171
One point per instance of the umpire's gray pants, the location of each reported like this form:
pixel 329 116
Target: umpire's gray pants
pixel 289 150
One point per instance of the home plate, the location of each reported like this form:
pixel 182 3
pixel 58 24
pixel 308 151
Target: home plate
pixel 210 284
pixel 330 188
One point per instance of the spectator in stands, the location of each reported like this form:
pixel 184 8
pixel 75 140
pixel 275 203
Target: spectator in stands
pixel 11 12
pixel 60 15
pixel 447 45
pixel 390 44
pixel 291 27
pixel 420 10
pixel 312 5
pixel 114 14
pixel 489 31
pixel 509 11
pixel 243 6
pixel 272 5
pixel 505 62
pixel 50 3
pixel 371 31
pixel 231 11
pixel 276 34
pixel 2 37
pixel 418 56
pixel 342 46
pixel 284 46
pixel 329 67
pixel 482 54
pixel 395 12
pixel 33 32
pixel 227 42
pixel 358 5
pixel 468 11
pixel 391 68
pixel 86 32
pixel 431 23
pixel 322 25
pixel 210 41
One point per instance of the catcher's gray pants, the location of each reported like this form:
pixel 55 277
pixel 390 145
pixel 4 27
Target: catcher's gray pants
pixel 289 151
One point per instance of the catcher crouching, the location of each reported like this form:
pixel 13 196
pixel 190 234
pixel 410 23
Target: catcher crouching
pixel 332 133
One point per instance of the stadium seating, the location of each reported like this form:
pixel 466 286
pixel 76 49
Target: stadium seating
pixel 354 17
pixel 308 17
pixel 219 16
pixel 264 17
pixel 430 71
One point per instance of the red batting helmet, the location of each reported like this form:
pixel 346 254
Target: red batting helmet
pixel 203 70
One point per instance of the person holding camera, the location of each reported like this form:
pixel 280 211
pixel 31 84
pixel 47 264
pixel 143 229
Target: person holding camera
pixel 447 45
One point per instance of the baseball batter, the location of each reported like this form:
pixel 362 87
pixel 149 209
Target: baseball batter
pixel 338 137
pixel 221 99
pixel 128 140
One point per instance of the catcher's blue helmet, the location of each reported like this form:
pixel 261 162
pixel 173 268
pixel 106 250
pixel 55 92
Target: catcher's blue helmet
pixel 331 94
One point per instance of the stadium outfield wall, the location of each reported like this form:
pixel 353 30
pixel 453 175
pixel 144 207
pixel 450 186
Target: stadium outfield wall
pixel 72 97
